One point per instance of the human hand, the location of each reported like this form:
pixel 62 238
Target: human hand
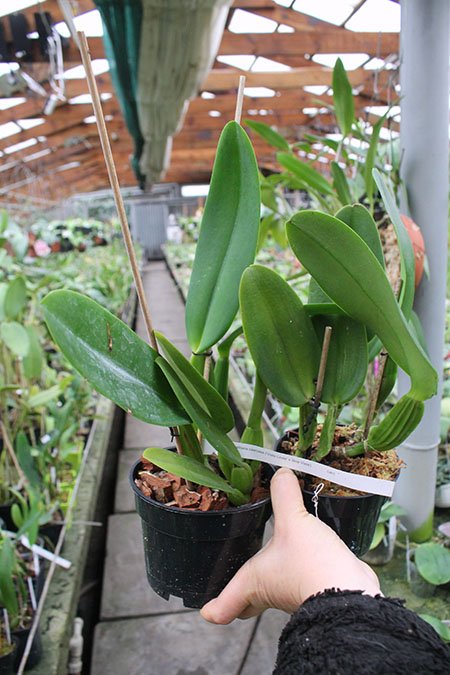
pixel 303 557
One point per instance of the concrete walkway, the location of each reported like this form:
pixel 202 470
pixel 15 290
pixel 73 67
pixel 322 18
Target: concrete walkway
pixel 140 633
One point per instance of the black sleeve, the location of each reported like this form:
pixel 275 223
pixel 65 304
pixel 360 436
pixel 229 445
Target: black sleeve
pixel 347 633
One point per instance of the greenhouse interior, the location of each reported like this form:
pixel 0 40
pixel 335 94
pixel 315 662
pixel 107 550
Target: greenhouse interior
pixel 224 337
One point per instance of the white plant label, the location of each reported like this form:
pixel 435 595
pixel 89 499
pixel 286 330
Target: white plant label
pixel 375 486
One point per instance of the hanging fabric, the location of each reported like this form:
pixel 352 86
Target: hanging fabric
pixel 179 42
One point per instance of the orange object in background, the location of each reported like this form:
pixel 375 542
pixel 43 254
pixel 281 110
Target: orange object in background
pixel 418 246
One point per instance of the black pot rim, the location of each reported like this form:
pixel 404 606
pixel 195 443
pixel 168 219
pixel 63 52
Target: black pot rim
pixel 186 512
pixel 333 497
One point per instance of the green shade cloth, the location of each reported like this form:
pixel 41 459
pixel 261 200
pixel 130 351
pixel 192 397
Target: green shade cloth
pixel 179 41
pixel 122 20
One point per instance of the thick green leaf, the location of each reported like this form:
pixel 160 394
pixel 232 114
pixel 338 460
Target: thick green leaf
pixel 218 439
pixel 227 242
pixel 346 269
pixel 378 536
pixel 433 563
pixel 370 159
pixel 305 173
pixel 222 364
pixel 316 295
pixel 279 334
pixel 389 510
pixel 3 289
pixel 192 470
pixel 33 361
pixel 15 298
pixel 42 398
pixel 111 357
pixel 15 337
pixel 26 459
pixel 439 626
pixel 388 381
pixel 343 98
pixel 202 392
pixel 359 219
pixel 190 443
pixel 340 184
pixel 8 595
pixel 268 134
pixel 407 260
pixel 347 360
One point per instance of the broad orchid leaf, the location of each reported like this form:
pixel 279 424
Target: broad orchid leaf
pixel 359 219
pixel 407 260
pixel 340 184
pixel 202 392
pixel 346 269
pixel 343 98
pixel 268 134
pixel 15 297
pixel 15 337
pixel 111 357
pixel 439 626
pixel 32 363
pixel 279 334
pixel 207 425
pixel 347 360
pixel 227 242
pixel 192 470
pixel 433 563
pixel 370 159
pixel 305 173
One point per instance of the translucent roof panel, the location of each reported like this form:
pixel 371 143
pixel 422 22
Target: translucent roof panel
pixel 99 66
pixel 30 122
pixel 8 129
pixel 89 22
pixel 6 103
pixel 267 65
pixel 259 92
pixel 376 15
pixel 21 146
pixel 350 61
pixel 242 61
pixel 247 22
pixel 332 11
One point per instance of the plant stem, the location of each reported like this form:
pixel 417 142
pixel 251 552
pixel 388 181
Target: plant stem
pixel 374 394
pixel 327 435
pixel 308 411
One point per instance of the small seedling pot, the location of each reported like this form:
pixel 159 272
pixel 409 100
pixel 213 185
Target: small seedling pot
pixel 353 518
pixel 7 660
pixel 194 554
pixel 21 635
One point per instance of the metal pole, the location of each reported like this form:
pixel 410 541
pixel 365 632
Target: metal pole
pixel 424 44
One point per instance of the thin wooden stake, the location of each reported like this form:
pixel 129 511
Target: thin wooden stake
pixel 240 99
pixel 112 173
pixel 323 363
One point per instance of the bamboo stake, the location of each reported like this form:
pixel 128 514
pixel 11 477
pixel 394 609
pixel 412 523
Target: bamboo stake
pixel 113 179
pixel 112 174
pixel 240 99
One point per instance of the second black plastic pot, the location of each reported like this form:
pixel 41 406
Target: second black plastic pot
pixel 194 554
pixel 7 661
pixel 21 636
pixel 353 518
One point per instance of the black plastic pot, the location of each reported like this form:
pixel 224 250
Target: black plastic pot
pixel 21 635
pixel 194 554
pixel 5 515
pixel 353 518
pixel 7 661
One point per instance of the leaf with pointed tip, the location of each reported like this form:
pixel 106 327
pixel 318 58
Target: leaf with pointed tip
pixel 15 298
pixel 15 337
pixel 369 164
pixel 305 173
pixel 111 357
pixel 279 334
pixel 207 425
pixel 203 393
pixel 343 98
pixel 268 134
pixel 347 360
pixel 407 260
pixel 340 184
pixel 192 470
pixel 346 269
pixel 227 242
pixel 359 219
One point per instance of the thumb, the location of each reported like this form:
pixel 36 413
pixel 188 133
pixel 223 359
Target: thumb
pixel 233 600
pixel 287 499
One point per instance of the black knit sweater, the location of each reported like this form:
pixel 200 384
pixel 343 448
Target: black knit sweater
pixel 347 633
